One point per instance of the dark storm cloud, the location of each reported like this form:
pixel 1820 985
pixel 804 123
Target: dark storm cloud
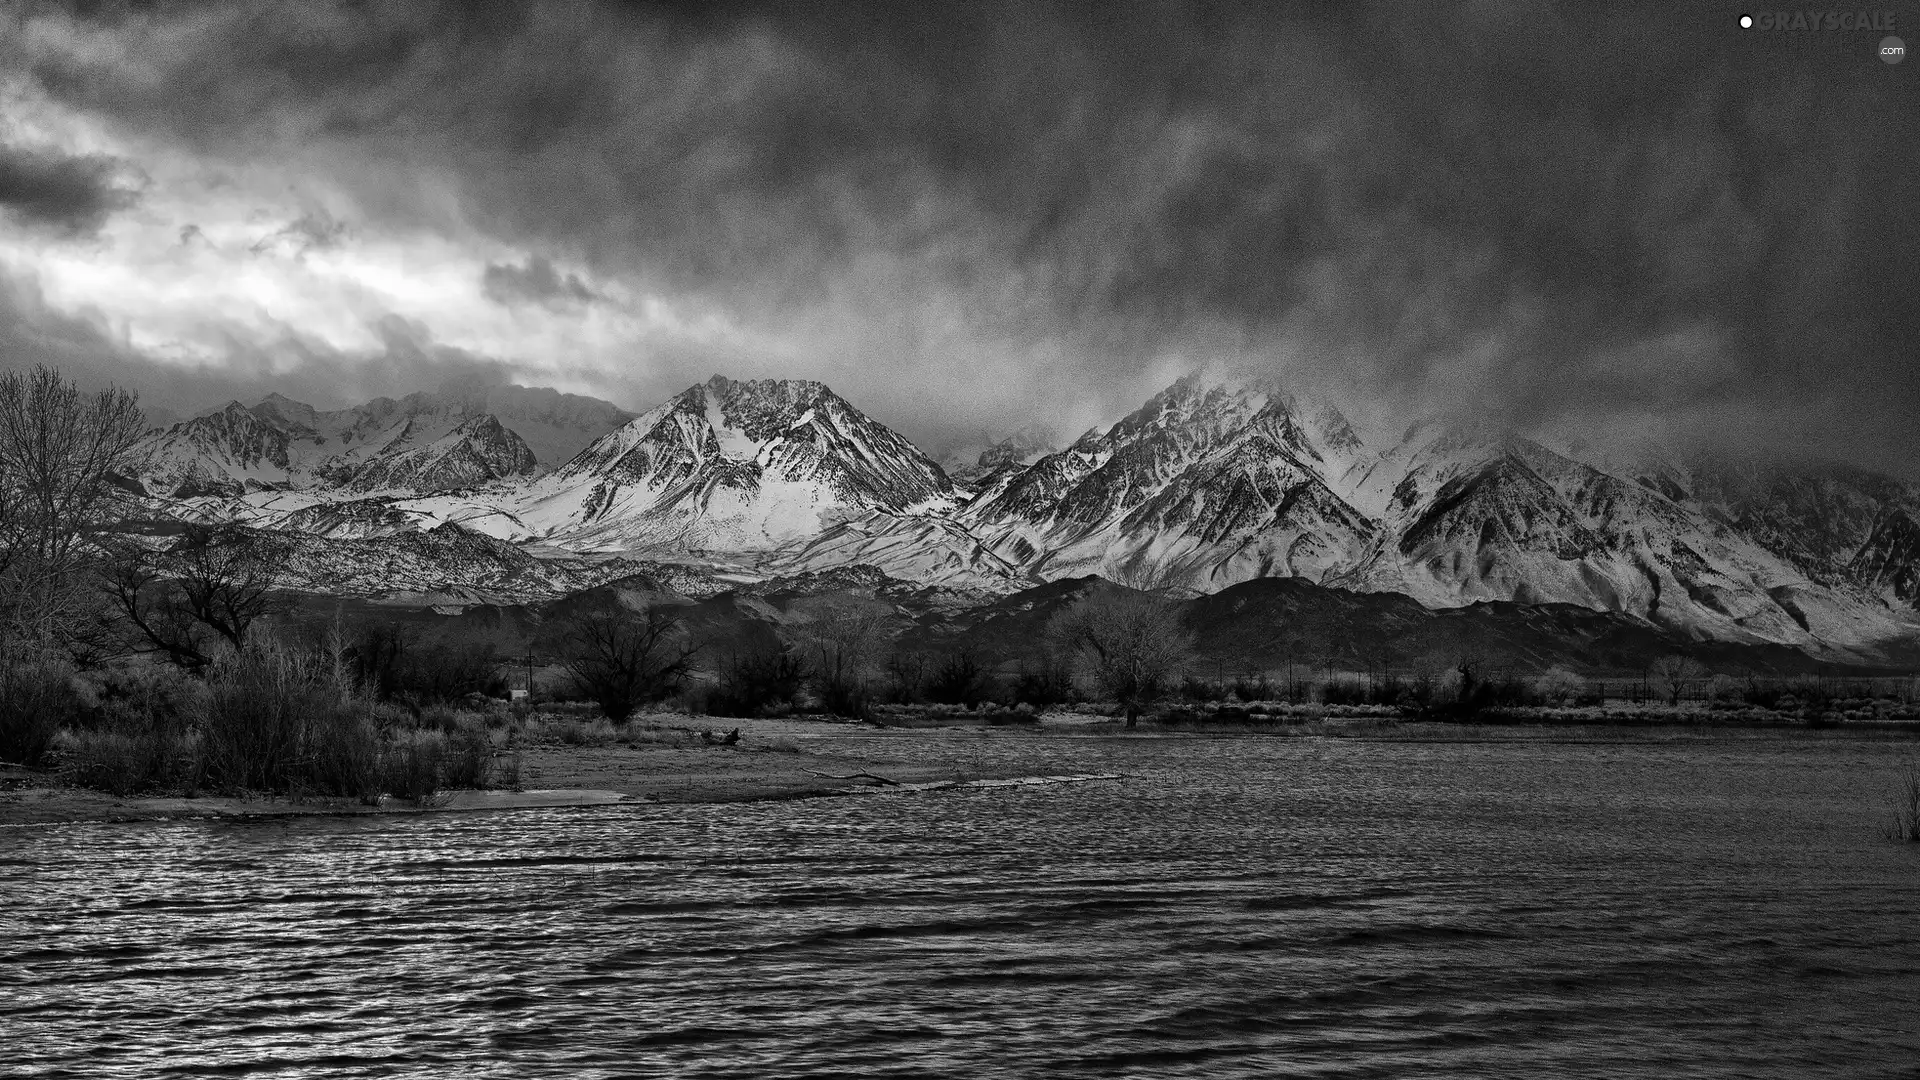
pixel 1498 208
pixel 71 195
pixel 536 281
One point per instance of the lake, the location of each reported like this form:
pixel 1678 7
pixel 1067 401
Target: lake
pixel 1240 906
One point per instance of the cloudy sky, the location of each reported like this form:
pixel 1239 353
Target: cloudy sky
pixel 975 218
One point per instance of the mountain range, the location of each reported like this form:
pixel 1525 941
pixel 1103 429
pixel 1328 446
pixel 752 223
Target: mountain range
pixel 1211 483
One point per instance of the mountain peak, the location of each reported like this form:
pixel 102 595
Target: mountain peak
pixel 478 450
pixel 1213 478
pixel 278 409
pixel 758 462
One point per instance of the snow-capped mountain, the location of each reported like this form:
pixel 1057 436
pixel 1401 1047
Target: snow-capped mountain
pixel 733 467
pixel 228 452
pixel 463 434
pixel 1214 482
pixel 1210 483
pixel 477 451
pixel 1473 518
pixel 1207 484
pixel 980 464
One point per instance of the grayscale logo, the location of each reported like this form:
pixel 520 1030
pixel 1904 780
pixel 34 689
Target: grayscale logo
pixel 1801 21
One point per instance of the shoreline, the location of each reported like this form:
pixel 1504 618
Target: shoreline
pixel 666 759
pixel 654 763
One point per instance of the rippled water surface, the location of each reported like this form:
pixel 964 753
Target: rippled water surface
pixel 1234 907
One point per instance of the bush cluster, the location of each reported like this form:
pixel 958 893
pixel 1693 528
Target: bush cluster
pixel 269 718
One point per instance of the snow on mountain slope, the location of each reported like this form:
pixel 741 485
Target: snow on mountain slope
pixel 1209 483
pixel 477 451
pixel 927 548
pixel 495 431
pixel 1473 518
pixel 441 565
pixel 1888 564
pixel 978 465
pixel 228 452
pixel 1216 482
pixel 553 425
pixel 1840 526
pixel 732 466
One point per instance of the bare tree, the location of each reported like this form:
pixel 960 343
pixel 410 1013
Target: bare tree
pixel 1674 675
pixel 62 456
pixel 625 659
pixel 907 674
pixel 842 643
pixel 209 587
pixel 1132 644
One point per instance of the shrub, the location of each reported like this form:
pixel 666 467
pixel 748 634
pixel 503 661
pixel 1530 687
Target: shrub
pixel 1043 683
pixel 106 760
pixel 845 697
pixel 907 677
pixel 959 680
pixel 1338 691
pixel 376 653
pixel 260 703
pixel 1465 693
pixel 505 771
pixel 1421 689
pixel 125 762
pixel 756 683
pixel 441 673
pixel 420 765
pixel 1193 688
pixel 1814 695
pixel 341 753
pixel 387 660
pixel 1256 687
pixel 159 698
pixel 274 722
pixel 1765 697
pixel 468 760
pixel 441 718
pixel 414 765
pixel 36 700
pixel 267 719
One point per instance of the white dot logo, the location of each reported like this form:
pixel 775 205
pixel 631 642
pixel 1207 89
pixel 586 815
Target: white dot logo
pixel 1746 22
pixel 1893 50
